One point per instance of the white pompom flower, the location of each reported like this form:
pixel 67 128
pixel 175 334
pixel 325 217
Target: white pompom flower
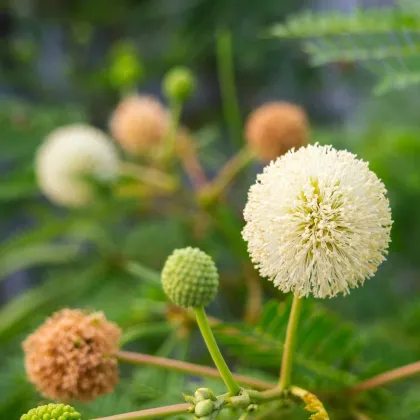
pixel 317 222
pixel 67 157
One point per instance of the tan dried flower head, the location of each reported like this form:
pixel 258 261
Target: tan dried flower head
pixel 139 123
pixel 275 128
pixel 71 356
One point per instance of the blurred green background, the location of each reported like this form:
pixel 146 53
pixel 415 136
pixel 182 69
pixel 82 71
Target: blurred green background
pixel 70 61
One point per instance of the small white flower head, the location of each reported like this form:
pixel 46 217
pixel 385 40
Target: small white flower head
pixel 68 156
pixel 318 222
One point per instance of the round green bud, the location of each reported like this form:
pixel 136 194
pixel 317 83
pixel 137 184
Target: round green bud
pixel 204 408
pixel 204 394
pixel 190 278
pixel 52 412
pixel 179 84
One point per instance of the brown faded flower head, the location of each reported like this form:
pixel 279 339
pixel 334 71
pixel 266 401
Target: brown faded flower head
pixel 139 123
pixel 275 128
pixel 72 356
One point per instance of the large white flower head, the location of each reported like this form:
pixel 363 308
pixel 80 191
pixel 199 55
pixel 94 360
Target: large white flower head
pixel 70 154
pixel 318 221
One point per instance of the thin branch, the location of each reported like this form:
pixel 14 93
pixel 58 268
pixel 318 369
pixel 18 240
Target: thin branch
pixel 387 378
pixel 190 368
pixel 151 413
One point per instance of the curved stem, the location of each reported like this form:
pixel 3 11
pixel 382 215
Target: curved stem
pixel 387 377
pixel 188 368
pixel 151 413
pixel 149 176
pixel 145 273
pixel 214 350
pixel 228 173
pixel 224 53
pixel 153 329
pixel 289 345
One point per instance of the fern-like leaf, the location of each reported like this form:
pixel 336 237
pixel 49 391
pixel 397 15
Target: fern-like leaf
pixel 386 40
pixel 361 21
pixel 327 347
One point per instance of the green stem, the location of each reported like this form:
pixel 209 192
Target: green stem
pixel 214 350
pixel 228 173
pixel 142 331
pixel 145 273
pixel 265 396
pixel 151 413
pixel 289 345
pixel 149 176
pixel 170 143
pixel 231 110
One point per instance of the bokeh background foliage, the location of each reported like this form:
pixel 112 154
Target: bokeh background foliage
pixel 70 62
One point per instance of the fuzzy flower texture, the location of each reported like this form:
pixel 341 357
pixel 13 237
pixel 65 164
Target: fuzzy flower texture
pixel 318 222
pixel 71 356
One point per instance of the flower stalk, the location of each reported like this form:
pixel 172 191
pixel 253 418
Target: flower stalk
pixel 214 350
pixel 289 345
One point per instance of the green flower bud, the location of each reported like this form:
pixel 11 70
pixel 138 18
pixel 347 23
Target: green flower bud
pixel 190 278
pixel 204 408
pixel 52 412
pixel 204 394
pixel 179 84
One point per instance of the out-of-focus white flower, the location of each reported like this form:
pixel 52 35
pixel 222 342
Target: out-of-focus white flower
pixel 68 156
pixel 318 221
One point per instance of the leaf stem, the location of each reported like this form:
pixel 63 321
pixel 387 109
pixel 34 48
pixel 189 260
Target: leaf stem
pixel 289 345
pixel 387 377
pixel 151 413
pixel 188 368
pixel 214 350
pixel 224 54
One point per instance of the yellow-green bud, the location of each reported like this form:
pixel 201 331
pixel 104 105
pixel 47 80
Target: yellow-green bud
pixel 190 278
pixel 52 412
pixel 204 408
pixel 179 84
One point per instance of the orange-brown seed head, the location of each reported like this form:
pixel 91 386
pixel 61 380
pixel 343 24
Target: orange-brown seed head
pixel 276 127
pixel 139 124
pixel 72 356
